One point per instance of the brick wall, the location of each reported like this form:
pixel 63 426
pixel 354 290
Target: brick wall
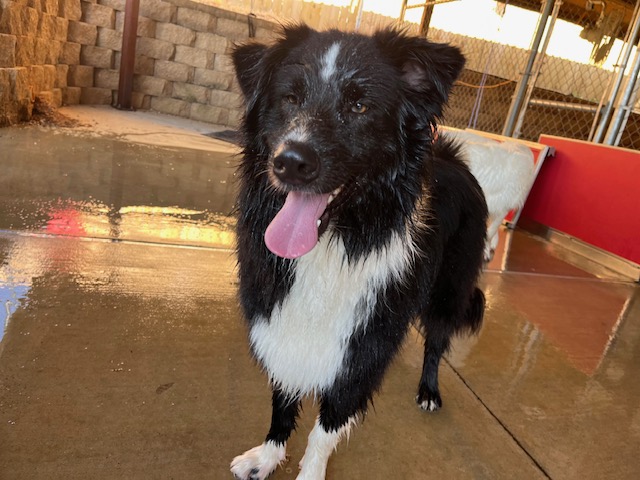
pixel 68 52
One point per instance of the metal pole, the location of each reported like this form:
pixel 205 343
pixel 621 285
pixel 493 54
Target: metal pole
pixel 359 16
pixel 403 10
pixel 128 54
pixel 539 61
pixel 608 109
pixel 628 111
pixel 426 20
pixel 516 103
pixel 607 91
pixel 623 111
pixel 577 107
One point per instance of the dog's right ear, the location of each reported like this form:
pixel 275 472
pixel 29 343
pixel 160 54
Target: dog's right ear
pixel 254 62
pixel 247 61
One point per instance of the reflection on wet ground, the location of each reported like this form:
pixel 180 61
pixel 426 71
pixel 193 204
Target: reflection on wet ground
pixel 124 354
pixel 68 184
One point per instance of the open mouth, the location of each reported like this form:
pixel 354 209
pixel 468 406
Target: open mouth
pixel 323 221
pixel 301 221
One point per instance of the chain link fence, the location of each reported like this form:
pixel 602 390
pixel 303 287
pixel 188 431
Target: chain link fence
pixel 562 75
pixel 569 81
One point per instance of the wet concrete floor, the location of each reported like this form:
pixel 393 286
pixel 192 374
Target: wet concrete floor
pixel 123 354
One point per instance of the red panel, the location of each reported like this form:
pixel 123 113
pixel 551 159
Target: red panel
pixel 590 191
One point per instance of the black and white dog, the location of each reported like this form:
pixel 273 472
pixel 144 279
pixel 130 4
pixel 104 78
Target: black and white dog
pixel 352 223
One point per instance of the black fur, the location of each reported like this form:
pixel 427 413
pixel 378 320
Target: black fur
pixel 393 177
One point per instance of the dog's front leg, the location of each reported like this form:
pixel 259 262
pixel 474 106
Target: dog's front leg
pixel 259 462
pixel 321 443
pixel 339 410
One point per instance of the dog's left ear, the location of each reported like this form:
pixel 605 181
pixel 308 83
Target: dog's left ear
pixel 433 66
pixel 428 69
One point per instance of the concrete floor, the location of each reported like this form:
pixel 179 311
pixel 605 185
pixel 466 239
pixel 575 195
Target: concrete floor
pixel 124 355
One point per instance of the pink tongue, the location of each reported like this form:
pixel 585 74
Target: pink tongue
pixel 294 230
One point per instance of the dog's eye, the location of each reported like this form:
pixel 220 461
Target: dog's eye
pixel 291 99
pixel 359 107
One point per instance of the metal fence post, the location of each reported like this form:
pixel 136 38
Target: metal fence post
pixel 608 108
pixel 359 14
pixel 543 51
pixel 626 104
pixel 427 13
pixel 516 103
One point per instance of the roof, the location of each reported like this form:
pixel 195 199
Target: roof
pixel 574 11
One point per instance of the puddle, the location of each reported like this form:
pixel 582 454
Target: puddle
pixel 61 183
pixel 11 296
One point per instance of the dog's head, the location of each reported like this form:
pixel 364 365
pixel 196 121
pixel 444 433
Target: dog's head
pixel 328 110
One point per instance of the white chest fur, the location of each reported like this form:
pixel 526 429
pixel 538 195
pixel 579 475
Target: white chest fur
pixel 303 345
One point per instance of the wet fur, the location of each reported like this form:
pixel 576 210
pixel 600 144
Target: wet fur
pixel 404 239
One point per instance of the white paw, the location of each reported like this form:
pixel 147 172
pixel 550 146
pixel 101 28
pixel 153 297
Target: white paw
pixel 488 252
pixel 429 406
pixel 494 241
pixel 312 472
pixel 318 474
pixel 259 462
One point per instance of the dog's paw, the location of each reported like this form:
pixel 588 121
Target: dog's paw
pixel 310 476
pixel 488 253
pixel 429 402
pixel 318 473
pixel 259 462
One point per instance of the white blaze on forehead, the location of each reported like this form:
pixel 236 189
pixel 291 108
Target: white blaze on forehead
pixel 297 133
pixel 328 63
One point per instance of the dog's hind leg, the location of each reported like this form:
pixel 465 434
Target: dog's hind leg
pixel 259 462
pixel 441 322
pixel 493 235
pixel 436 344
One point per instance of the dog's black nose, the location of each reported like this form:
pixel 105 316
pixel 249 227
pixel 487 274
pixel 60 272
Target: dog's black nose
pixel 296 164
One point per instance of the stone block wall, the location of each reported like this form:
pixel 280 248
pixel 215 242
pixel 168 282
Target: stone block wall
pixel 32 34
pixel 68 52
